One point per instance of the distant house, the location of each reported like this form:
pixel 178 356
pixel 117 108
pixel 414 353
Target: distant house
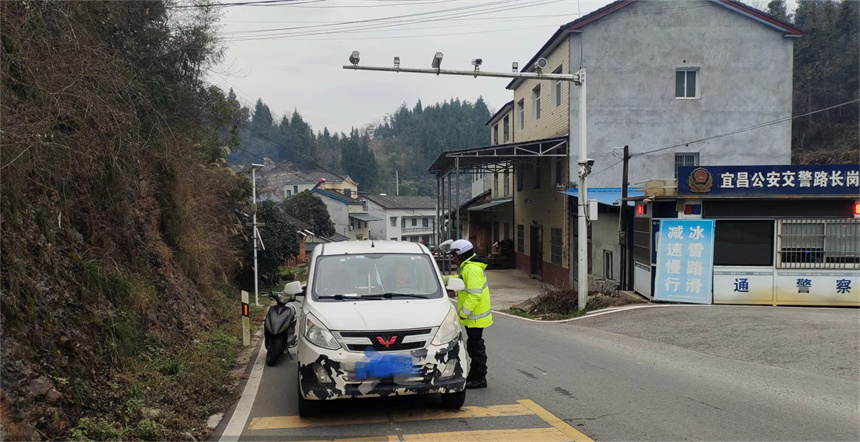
pixel 329 181
pixel 349 215
pixel 407 218
pixel 305 231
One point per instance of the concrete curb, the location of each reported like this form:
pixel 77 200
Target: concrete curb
pixel 605 311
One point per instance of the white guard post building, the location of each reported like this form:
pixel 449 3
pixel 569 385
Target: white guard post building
pixel 770 235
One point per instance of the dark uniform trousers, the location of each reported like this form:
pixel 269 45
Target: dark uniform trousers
pixel 478 352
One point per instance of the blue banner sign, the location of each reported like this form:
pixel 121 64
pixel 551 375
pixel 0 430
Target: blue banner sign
pixel 834 179
pixel 685 261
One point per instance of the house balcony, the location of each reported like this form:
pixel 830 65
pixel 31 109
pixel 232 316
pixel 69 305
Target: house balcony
pixel 417 229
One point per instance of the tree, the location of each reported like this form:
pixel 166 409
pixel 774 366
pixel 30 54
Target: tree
pixel 306 207
pixel 279 236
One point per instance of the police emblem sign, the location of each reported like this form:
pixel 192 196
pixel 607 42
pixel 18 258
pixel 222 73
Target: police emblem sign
pixel 685 261
pixel 822 179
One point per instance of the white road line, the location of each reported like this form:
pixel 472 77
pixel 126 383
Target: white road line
pixel 246 402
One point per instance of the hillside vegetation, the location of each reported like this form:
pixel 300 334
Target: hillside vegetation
pixel 119 238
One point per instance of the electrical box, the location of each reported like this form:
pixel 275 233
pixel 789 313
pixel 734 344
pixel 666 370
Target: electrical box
pixel 592 210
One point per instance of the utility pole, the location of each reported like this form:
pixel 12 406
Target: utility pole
pixel 584 164
pixel 582 198
pixel 622 221
pixel 397 182
pixel 253 170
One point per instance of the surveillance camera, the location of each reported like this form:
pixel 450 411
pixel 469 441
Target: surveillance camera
pixel 515 66
pixel 353 58
pixel 477 62
pixel 397 62
pixel 540 64
pixel 589 162
pixel 437 61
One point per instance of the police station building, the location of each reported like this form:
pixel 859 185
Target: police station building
pixel 773 235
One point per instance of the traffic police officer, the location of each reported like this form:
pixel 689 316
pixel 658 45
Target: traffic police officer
pixel 473 306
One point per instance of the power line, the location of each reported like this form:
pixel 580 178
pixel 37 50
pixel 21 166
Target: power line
pixel 390 25
pixel 247 3
pixel 757 126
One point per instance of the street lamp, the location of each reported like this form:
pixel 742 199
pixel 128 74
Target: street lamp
pixel 354 58
pixel 437 61
pixel 253 169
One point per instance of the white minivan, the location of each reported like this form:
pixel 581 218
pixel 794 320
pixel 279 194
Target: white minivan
pixel 376 322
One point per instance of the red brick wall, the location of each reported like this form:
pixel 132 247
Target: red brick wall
pixel 554 275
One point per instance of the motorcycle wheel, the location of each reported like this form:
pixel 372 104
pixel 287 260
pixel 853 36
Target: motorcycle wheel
pixel 276 348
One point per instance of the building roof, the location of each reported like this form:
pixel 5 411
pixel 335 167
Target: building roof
pixel 504 109
pixel 577 25
pixel 610 196
pixel 499 153
pixel 364 217
pixel 403 202
pixel 311 177
pixel 299 224
pixel 491 204
pixel 333 194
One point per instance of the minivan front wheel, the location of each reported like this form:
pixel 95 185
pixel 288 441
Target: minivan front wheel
pixel 454 400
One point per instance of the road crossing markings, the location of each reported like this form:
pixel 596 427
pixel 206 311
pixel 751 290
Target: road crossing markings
pixel 551 419
pixel 558 431
pixel 285 422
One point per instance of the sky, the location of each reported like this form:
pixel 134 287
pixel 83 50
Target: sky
pixel 301 67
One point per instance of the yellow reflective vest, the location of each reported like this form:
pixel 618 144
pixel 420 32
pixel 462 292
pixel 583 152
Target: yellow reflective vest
pixel 473 304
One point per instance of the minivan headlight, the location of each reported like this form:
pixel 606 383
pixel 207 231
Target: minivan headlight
pixel 317 334
pixel 449 330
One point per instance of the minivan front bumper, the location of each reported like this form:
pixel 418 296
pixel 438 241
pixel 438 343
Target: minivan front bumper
pixel 331 374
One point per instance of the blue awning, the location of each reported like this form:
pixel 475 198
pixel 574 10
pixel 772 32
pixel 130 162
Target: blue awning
pixel 610 196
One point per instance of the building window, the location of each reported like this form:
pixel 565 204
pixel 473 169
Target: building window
pixel 519 178
pixel 521 238
pixel 559 173
pixel 414 222
pixel 506 128
pixel 393 221
pixel 819 244
pixel 686 83
pixel 507 230
pixel 496 185
pixel 347 192
pixel 496 134
pixel 743 243
pixel 403 222
pixel 685 159
pixel 425 222
pixel 557 89
pixel 507 182
pixel 289 193
pixel 536 101
pixel 295 190
pixel 555 242
pixel 521 113
pixel 607 265
pixel 537 174
pixel 394 239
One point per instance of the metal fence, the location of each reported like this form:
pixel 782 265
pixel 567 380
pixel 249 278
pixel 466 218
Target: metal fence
pixel 818 244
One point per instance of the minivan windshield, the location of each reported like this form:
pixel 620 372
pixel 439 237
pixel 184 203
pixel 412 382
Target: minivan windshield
pixel 375 276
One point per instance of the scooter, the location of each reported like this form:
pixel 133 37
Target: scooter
pixel 280 326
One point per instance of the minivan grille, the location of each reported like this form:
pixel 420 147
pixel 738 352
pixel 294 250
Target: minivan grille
pixel 388 340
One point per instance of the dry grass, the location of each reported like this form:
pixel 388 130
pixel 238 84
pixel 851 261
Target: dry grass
pixel 562 304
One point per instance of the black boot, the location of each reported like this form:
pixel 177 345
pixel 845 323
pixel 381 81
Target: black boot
pixel 476 383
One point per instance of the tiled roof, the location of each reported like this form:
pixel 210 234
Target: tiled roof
pixel 299 224
pixel 403 202
pixel 311 177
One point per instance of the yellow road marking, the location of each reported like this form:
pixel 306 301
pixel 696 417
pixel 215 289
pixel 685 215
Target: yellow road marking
pixel 391 438
pixel 283 422
pixel 465 412
pixel 572 433
pixel 529 434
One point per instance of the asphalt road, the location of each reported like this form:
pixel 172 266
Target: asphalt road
pixel 620 376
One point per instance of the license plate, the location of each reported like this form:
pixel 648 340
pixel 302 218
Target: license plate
pixel 384 366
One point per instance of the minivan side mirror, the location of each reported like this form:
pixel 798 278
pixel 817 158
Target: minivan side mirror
pixel 293 288
pixel 456 285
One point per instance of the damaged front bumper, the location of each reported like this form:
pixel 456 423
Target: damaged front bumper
pixel 338 374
